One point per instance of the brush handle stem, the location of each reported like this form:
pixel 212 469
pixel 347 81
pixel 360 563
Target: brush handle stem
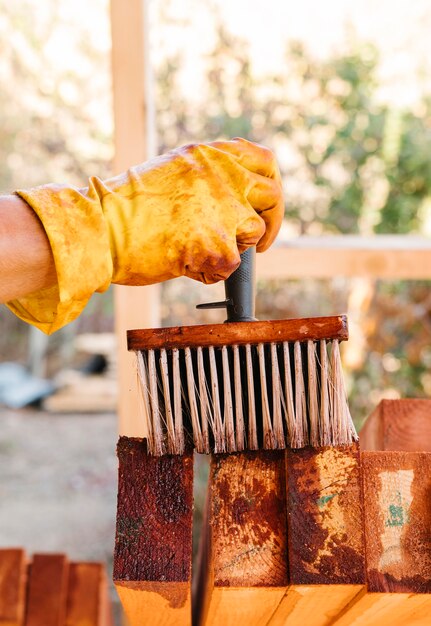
pixel 240 289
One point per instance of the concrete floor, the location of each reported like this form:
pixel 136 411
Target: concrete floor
pixel 58 481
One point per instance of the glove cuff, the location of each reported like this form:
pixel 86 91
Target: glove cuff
pixel 78 235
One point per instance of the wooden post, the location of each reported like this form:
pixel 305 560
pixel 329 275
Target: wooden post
pixel 153 546
pixel 47 590
pixel 243 559
pixel 135 307
pixel 398 541
pixel 88 602
pixel 12 586
pixel 403 425
pixel 325 531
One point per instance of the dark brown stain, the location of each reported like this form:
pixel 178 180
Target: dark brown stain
pixel 386 583
pixel 248 519
pixel 317 555
pixel 154 515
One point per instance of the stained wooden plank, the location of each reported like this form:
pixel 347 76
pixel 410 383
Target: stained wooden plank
pixel 244 570
pixel 398 542
pixel 239 333
pixel 13 569
pixel 88 602
pixel 47 590
pixel 325 512
pixel 153 545
pixel 403 425
pixel 325 535
pixel 397 488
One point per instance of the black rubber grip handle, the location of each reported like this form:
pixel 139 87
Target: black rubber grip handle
pixel 240 289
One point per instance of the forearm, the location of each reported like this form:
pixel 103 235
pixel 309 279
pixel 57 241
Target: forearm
pixel 26 261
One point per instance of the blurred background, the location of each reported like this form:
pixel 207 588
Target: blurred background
pixel 341 91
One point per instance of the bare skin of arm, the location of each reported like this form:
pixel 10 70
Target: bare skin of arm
pixel 26 261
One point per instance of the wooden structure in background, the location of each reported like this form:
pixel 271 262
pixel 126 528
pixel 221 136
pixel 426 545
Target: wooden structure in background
pixel 389 257
pixel 398 425
pixel 135 307
pixel 153 545
pixel 244 566
pixel 51 591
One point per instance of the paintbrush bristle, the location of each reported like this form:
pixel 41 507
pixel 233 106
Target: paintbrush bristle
pixel 245 397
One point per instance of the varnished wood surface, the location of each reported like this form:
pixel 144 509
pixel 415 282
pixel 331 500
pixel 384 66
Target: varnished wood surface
pixel 153 545
pixel 47 590
pixel 245 564
pixel 239 333
pixel 325 535
pixel 88 602
pixel 325 513
pixel 13 574
pixel 403 424
pixel 397 488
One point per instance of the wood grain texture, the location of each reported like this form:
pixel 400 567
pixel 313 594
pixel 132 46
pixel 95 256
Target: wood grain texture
pixel 325 513
pixel 403 425
pixel 88 602
pixel 245 566
pixel 153 545
pixel 47 590
pixel 13 570
pixel 397 492
pixel 386 609
pixel 239 333
pixel 313 605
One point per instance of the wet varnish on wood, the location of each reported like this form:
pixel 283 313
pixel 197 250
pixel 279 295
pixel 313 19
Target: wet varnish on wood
pixel 153 546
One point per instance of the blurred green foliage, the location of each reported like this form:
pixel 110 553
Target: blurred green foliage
pixel 350 163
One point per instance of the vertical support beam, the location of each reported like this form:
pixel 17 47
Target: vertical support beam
pixel 135 307
pixel 153 545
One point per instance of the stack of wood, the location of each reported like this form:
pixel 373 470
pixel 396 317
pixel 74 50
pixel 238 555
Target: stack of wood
pixel 312 537
pixel 51 591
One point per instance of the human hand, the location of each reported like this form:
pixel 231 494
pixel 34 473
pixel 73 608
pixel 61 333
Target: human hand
pixel 191 212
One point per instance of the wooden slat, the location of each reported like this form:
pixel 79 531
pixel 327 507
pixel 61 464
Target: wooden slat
pixel 403 425
pixel 244 572
pixel 239 333
pixel 47 590
pixel 400 257
pixel 88 601
pixel 12 586
pixel 325 535
pixel 398 541
pixel 153 545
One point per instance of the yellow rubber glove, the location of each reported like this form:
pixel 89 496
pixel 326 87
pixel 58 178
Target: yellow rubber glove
pixel 189 212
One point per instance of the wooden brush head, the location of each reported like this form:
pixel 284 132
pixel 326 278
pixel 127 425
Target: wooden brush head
pixel 239 333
